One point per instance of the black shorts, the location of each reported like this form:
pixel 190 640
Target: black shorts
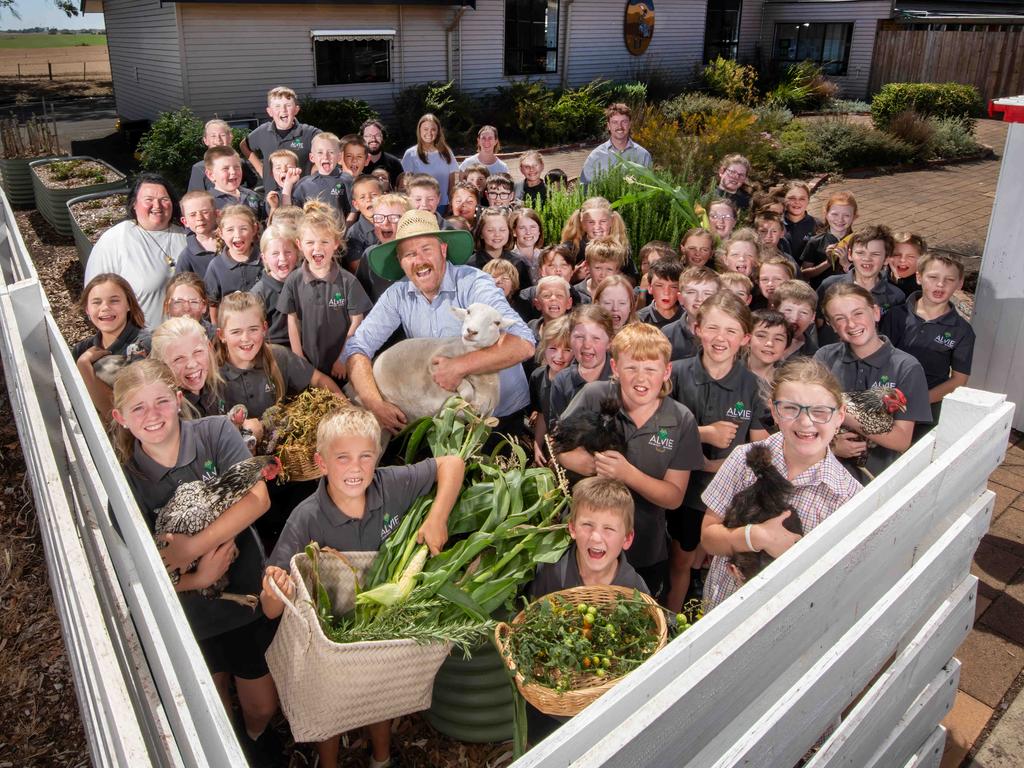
pixel 240 652
pixel 684 526
pixel 655 577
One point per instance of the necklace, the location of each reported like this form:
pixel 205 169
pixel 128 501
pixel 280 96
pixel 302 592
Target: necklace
pixel 171 260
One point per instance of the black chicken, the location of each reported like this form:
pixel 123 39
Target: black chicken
pixel 196 504
pixel 593 430
pixel 768 497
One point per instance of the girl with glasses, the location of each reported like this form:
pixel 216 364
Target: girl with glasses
pixel 807 405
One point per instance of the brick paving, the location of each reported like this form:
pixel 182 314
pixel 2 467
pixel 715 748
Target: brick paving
pixel 993 653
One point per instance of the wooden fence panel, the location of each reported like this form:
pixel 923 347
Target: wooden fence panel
pixel 988 57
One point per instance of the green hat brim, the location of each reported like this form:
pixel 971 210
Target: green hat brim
pixel 384 257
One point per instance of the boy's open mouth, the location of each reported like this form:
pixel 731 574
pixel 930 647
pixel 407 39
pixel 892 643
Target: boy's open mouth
pixel 596 554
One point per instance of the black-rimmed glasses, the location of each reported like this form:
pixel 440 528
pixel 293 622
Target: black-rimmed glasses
pixel 788 411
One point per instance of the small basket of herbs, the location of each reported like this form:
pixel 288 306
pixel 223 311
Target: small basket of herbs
pixel 292 430
pixel 568 648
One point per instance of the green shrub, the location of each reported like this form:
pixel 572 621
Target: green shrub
pixel 772 119
pixel 338 116
pixel 530 104
pixel 952 138
pixel 798 153
pixel 694 109
pixel 729 79
pixel 846 107
pixel 632 94
pixel 578 113
pixel 915 130
pixel 802 87
pixel 927 99
pixel 844 145
pixel 456 111
pixel 172 145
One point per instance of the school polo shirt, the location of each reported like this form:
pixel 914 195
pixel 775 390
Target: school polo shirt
pixel 325 307
pixel 885 294
pixel 133 342
pixel 268 288
pixel 565 574
pixel 265 140
pixel 814 253
pixel 195 258
pixel 225 275
pixel 681 338
pixel 945 343
pixel 253 388
pixel 388 497
pixel 208 448
pixel 652 316
pixel 246 197
pixel 798 233
pixel 327 188
pixel 358 238
pixel 566 384
pixel 206 403
pixel 583 291
pixel 735 398
pixel 887 367
pixel 668 440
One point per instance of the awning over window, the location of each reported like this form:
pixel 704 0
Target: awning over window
pixel 352 34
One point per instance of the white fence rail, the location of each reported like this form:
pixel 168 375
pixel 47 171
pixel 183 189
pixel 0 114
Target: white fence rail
pixel 860 621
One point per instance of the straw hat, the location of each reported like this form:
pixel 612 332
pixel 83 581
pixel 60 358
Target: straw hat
pixel 384 259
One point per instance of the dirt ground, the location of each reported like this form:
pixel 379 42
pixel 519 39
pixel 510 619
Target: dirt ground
pixel 66 62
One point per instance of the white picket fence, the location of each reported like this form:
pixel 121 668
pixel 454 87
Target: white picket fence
pixel 861 620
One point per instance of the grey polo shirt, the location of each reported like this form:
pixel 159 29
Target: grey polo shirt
pixel 941 345
pixel 652 316
pixel 565 574
pixel 325 308
pixel 208 448
pixel 328 188
pixel 389 496
pixel 682 340
pixel 888 367
pixel 206 403
pixel 358 238
pixel 265 140
pixel 246 197
pixel 225 275
pixel 253 387
pixel 734 397
pixel 669 440
pixel 269 288
pixel 194 258
pixel 566 384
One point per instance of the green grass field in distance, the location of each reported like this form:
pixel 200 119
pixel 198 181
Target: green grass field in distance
pixel 36 40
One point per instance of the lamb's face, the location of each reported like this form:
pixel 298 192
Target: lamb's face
pixel 481 325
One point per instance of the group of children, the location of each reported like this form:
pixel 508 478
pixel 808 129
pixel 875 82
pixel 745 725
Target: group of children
pixel 734 335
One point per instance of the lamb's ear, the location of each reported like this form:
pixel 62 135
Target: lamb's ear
pixel 459 312
pixel 506 323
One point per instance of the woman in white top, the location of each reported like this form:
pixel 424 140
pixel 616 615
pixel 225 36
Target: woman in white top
pixel 143 249
pixel 432 155
pixel 487 145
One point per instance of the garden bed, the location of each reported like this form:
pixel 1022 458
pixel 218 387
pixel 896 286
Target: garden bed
pixel 92 215
pixel 57 181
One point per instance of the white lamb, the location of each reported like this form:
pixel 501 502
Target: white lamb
pixel 403 372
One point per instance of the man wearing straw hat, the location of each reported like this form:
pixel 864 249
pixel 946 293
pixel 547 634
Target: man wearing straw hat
pixel 429 267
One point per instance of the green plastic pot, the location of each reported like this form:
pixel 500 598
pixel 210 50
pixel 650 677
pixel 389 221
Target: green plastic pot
pixel 52 203
pixel 16 180
pixel 82 241
pixel 472 699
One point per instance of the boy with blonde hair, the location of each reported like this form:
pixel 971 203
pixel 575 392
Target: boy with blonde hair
pixel 604 257
pixel 283 131
pixel 739 284
pixel 366 190
pixel 531 165
pixel 199 215
pixel 217 133
pixel 798 303
pixel 356 506
pixel 224 170
pixel 326 182
pixel 601 527
pixel 284 164
pixel 696 285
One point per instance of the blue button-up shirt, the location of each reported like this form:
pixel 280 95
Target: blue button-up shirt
pixel 403 304
pixel 605 156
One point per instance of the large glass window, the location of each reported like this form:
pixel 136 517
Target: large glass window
pixel 531 37
pixel 827 45
pixel 722 30
pixel 341 60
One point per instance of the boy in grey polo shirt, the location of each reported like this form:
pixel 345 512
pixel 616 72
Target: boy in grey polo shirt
pixel 354 509
pixel 328 182
pixel 283 131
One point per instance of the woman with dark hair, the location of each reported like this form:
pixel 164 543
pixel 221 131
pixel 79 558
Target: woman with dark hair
pixel 143 249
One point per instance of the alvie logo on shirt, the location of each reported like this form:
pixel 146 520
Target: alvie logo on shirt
pixel 660 441
pixel 337 189
pixel 337 301
pixel 739 411
pixel 946 339
pixel 297 142
pixel 209 470
pixel 884 381
pixel 390 523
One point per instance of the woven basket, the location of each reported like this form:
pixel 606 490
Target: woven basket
pixel 327 688
pixel 581 690
pixel 297 463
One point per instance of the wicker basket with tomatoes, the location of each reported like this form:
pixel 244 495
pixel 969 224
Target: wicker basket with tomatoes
pixel 569 647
